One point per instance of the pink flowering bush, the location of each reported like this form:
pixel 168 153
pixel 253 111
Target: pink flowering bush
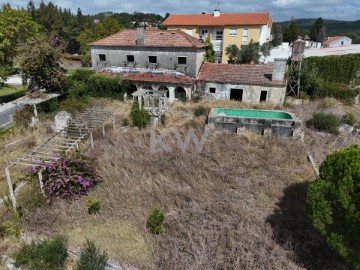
pixel 70 177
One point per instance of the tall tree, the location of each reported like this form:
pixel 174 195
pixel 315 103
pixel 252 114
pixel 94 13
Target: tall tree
pixel 39 61
pixel 107 27
pixel 277 35
pixel 291 32
pixel 209 56
pixel 318 33
pixel 16 26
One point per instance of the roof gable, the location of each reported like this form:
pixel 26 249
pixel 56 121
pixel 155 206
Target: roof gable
pixel 222 20
pixel 152 38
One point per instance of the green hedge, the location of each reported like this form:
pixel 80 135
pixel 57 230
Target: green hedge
pixel 11 97
pixel 336 68
pixel 105 86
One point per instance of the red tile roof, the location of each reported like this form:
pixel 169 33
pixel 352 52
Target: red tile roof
pixel 152 38
pixel 223 19
pixel 155 78
pixel 238 74
pixel 332 39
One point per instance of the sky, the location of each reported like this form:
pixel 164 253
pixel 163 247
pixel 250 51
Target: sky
pixel 280 10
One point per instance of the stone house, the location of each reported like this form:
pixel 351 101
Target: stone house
pixel 152 59
pixel 248 83
pixel 224 29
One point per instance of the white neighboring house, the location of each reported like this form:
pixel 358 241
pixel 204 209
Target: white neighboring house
pixel 337 41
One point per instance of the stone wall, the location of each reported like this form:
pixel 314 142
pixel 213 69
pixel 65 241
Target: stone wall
pixel 167 58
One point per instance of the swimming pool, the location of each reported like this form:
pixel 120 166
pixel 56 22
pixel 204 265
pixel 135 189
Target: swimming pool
pixel 266 114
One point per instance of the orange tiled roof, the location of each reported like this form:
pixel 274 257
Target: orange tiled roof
pixel 152 38
pixel 223 19
pixel 332 39
pixel 240 74
pixel 157 78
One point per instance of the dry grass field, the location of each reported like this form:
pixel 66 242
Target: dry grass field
pixel 238 204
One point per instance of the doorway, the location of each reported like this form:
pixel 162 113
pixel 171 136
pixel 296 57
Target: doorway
pixel 263 96
pixel 236 94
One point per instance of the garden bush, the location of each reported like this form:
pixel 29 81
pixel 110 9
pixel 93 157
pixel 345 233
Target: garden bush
pixel 200 110
pixel 105 86
pixel 48 106
pixel 44 255
pixel 70 177
pixel 155 221
pixel 139 117
pixel 11 97
pixel 326 122
pixel 82 74
pixel 348 119
pixel 333 203
pixel 93 206
pixel 91 258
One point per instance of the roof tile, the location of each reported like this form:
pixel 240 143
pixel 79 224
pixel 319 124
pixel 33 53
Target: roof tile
pixel 223 19
pixel 152 38
pixel 239 74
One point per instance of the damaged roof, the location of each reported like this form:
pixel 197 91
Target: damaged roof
pixel 152 38
pixel 238 74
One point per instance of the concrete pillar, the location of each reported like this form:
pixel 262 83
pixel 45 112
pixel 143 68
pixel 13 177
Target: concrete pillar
pixel 11 189
pixel 279 68
pixel 171 94
pixel 41 183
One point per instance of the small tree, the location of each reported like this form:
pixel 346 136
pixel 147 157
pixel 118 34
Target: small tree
pixel 139 117
pixel 232 52
pixel 156 221
pixel 39 61
pixel 333 203
pixel 91 258
pixel 209 56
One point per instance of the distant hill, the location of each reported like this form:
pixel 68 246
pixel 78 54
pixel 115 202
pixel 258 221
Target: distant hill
pixel 333 27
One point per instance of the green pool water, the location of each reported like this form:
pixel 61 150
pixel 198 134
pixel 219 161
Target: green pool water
pixel 253 113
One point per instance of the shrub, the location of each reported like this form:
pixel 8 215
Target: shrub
pixel 105 86
pixel 44 255
pixel 11 97
pixel 139 117
pixel 348 119
pixel 91 258
pixel 10 228
pixel 200 110
pixel 73 105
pixel 155 221
pixel 333 203
pixel 326 122
pixel 70 177
pixel 23 116
pixel 48 106
pixel 93 206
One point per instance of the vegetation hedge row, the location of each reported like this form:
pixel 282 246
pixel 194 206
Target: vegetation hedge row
pixel 338 68
pixel 104 86
pixel 11 97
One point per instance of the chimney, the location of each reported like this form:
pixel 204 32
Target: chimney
pixel 279 68
pixel 217 13
pixel 140 36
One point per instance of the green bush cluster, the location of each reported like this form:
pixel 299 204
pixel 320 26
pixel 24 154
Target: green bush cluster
pixel 48 106
pixel 348 119
pixel 139 117
pixel 93 206
pixel 44 255
pixel 326 122
pixel 11 97
pixel 200 110
pixel 155 221
pixel 330 76
pixel 91 258
pixel 105 86
pixel 333 203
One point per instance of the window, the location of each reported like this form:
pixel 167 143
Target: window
pixel 219 34
pixel 152 59
pixel 189 31
pixel 236 94
pixel 245 34
pixel 102 57
pixel 263 96
pixel 232 32
pixel 182 60
pixel 212 90
pixel 130 58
